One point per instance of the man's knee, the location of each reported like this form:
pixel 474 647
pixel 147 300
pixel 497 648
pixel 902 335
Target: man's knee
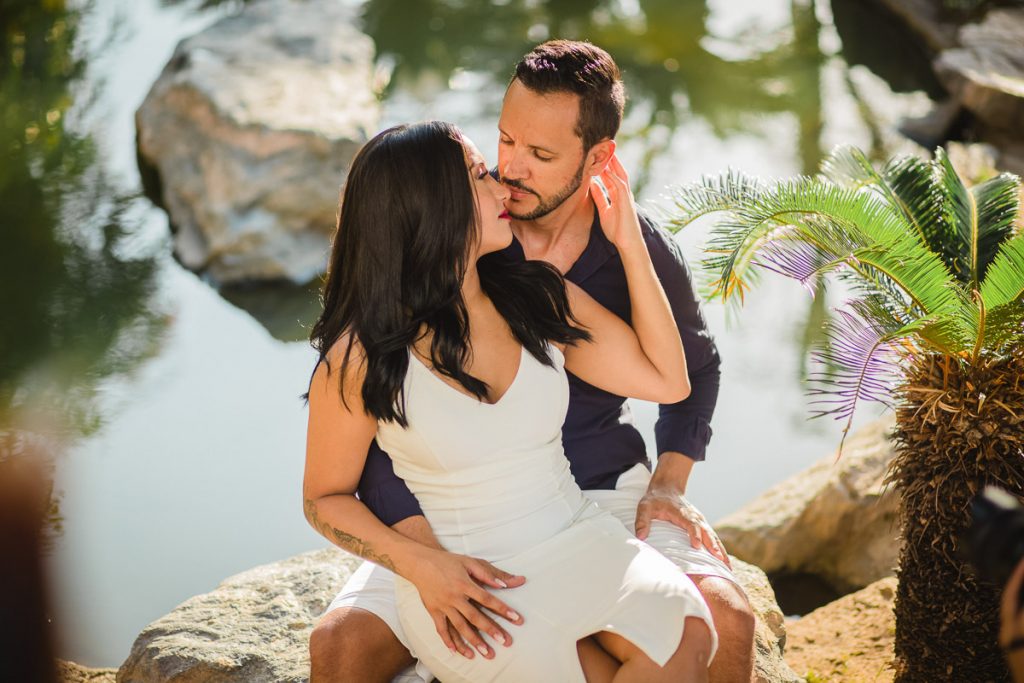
pixel 734 619
pixel 354 640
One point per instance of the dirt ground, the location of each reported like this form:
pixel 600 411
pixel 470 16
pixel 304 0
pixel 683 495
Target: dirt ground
pixel 70 672
pixel 849 640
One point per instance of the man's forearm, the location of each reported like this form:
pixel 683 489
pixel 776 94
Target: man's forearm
pixel 418 529
pixel 672 472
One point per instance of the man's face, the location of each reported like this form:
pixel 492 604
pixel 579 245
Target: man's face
pixel 540 157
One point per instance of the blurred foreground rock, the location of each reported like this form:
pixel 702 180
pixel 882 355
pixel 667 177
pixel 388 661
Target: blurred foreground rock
pixel 248 133
pixel 835 519
pixel 254 627
pixel 850 639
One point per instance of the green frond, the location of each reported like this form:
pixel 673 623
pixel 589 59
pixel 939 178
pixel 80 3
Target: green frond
pixel 1004 278
pixel 960 210
pixel 862 229
pixel 848 167
pixel 710 194
pixel 997 201
pixel 913 185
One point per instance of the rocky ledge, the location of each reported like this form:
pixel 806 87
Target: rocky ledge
pixel 835 520
pixel 254 628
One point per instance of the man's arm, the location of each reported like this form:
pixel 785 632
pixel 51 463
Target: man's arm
pixel 683 429
pixel 384 492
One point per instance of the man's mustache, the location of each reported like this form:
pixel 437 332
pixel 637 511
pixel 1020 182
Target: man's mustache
pixel 513 183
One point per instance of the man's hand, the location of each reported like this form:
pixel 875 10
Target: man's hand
pixel 451 587
pixel 664 500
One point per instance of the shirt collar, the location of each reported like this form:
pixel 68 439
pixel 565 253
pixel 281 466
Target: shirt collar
pixel 595 254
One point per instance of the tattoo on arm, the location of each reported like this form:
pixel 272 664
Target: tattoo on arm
pixel 347 541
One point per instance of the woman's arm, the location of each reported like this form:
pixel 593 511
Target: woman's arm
pixel 647 360
pixel 338 436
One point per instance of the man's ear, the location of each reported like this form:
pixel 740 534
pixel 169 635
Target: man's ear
pixel 599 156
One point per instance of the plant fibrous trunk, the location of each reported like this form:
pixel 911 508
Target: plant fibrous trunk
pixel 960 427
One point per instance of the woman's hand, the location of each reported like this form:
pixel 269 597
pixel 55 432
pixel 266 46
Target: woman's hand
pixel 451 588
pixel 1011 624
pixel 617 212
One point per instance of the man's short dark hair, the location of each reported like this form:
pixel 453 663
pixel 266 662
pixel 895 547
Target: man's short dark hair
pixel 580 68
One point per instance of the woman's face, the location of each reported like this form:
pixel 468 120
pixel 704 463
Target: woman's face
pixel 493 231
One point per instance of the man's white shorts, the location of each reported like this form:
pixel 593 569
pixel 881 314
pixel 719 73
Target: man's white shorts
pixel 372 587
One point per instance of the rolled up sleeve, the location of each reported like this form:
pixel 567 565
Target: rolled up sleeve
pixel 685 427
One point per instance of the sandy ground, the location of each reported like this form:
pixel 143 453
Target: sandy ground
pixel 849 640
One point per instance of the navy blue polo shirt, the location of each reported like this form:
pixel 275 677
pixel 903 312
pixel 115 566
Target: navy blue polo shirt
pixel 599 438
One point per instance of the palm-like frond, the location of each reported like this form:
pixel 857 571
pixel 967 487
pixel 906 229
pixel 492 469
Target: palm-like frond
pixel 1004 279
pixel 862 353
pixel 933 263
pixel 841 227
pixel 997 201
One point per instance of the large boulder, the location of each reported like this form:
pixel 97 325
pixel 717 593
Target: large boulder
pixel 255 627
pixel 835 520
pixel 986 73
pixel 850 639
pixel 246 137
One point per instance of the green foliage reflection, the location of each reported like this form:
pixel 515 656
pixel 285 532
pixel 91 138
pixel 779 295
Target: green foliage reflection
pixel 75 298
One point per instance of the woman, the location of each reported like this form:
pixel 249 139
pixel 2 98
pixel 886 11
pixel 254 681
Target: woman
pixel 452 357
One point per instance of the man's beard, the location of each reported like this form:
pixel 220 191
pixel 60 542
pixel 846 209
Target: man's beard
pixel 546 206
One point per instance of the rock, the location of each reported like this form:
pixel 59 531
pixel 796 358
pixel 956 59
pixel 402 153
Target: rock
pixel 986 74
pixel 770 633
pixel 850 639
pixel 248 133
pixel 70 672
pixel 835 520
pixel 253 628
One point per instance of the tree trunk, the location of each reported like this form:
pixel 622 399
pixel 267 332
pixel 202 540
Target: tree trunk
pixel 960 427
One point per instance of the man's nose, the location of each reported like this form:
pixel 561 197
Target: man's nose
pixel 514 166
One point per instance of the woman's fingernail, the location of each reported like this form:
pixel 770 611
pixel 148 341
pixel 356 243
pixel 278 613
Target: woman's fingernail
pixel 501 583
pixel 513 615
pixel 483 649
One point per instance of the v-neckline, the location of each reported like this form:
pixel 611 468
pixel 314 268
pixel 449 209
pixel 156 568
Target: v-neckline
pixel 474 399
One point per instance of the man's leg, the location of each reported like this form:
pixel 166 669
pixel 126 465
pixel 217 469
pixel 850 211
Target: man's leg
pixel 733 617
pixel 359 637
pixel 351 644
pixel 734 623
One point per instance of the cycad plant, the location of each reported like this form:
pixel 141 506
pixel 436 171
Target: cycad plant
pixel 934 328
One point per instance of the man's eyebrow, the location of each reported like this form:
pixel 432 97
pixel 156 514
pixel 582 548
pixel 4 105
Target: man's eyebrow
pixel 537 147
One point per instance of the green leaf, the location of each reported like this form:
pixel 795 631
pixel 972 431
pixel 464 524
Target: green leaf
pixel 1004 279
pixel 961 211
pixel 998 202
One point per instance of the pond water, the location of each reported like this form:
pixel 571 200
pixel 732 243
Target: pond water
pixel 174 409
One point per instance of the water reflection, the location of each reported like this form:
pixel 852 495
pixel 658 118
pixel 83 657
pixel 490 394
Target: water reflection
pixel 675 68
pixel 76 293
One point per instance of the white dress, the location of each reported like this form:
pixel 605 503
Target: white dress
pixel 494 483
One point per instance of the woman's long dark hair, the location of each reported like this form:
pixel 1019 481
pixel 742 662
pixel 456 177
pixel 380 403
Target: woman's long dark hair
pixel 406 227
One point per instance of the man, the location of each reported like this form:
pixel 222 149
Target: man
pixel 559 118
